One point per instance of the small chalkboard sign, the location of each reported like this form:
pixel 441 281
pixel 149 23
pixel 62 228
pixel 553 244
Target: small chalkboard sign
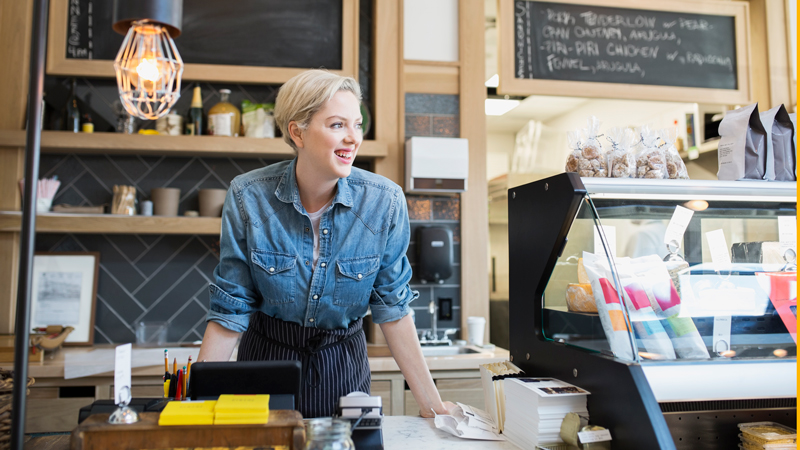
pixel 566 41
pixel 220 40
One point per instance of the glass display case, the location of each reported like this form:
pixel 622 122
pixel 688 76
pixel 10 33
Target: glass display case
pixel 678 296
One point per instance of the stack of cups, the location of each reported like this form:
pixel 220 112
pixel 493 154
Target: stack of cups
pixel 475 330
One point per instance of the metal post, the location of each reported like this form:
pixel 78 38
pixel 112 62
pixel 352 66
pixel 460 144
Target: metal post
pixel 28 237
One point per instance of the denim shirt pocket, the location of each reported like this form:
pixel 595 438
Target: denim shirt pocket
pixel 276 275
pixel 354 280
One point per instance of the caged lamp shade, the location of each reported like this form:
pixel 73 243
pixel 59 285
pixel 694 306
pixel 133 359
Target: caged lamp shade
pixel 148 65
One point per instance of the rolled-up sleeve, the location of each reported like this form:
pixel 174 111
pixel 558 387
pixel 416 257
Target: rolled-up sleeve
pixel 232 294
pixel 391 293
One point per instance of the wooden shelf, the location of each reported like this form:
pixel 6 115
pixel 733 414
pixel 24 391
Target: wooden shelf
pixel 112 224
pixel 140 144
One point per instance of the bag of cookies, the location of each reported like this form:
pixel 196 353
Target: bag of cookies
pixel 676 169
pixel 586 155
pixel 592 150
pixel 621 159
pixel 575 156
pixel 651 161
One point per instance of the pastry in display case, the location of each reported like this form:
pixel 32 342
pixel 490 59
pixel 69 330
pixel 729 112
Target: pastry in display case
pixel 673 301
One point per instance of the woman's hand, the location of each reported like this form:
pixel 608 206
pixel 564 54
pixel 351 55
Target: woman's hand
pixel 445 408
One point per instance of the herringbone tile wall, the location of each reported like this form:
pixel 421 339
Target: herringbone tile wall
pixel 144 277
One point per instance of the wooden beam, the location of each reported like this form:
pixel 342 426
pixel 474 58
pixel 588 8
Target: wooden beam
pixel 759 55
pixel 9 263
pixel 431 79
pixel 780 67
pixel 388 94
pixel 16 18
pixel 474 209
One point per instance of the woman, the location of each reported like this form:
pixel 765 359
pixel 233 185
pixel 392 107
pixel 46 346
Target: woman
pixel 307 246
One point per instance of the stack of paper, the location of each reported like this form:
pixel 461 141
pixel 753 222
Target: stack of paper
pixel 492 376
pixel 535 408
pixel 188 413
pixel 241 409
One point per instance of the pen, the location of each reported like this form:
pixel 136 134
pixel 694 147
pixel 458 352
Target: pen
pixel 166 388
pixel 178 392
pixel 166 360
pixel 184 383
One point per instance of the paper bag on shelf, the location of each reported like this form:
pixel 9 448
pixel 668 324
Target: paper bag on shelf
pixel 492 376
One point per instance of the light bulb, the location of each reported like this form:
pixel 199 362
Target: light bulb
pixel 149 69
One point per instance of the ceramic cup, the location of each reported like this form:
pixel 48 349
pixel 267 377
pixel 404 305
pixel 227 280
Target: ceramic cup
pixel 211 201
pixel 165 201
pixel 475 330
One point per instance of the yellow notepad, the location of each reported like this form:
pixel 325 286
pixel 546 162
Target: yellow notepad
pixel 254 404
pixel 229 419
pixel 188 413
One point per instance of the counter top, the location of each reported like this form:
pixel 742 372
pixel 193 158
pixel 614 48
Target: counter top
pixel 53 365
pixel 404 432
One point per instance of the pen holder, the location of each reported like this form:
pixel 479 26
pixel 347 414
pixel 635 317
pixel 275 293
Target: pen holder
pixel 124 200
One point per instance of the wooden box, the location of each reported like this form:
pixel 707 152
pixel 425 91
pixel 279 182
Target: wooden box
pixel 284 431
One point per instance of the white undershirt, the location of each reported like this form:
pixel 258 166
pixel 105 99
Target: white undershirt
pixel 315 218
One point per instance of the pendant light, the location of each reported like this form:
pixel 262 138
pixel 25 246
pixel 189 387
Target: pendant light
pixel 148 65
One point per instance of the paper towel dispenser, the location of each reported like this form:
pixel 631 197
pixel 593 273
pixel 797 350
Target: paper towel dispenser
pixel 434 254
pixel 436 164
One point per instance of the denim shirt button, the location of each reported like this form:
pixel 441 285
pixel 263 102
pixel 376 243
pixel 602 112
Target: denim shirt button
pixel 306 262
pixel 315 297
pixel 325 231
pixel 311 319
pixel 272 269
pixel 360 276
pixel 322 264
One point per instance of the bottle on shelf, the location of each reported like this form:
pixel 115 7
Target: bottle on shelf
pixel 224 119
pixel 88 125
pixel 72 114
pixel 194 120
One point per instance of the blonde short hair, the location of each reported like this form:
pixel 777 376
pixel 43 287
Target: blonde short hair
pixel 305 94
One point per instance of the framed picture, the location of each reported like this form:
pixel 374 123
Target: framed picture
pixel 64 292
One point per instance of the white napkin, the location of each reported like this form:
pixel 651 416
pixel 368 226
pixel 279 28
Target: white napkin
pixel 467 422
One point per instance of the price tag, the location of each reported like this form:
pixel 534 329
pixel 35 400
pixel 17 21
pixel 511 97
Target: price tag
pixel 721 340
pixel 787 232
pixel 586 437
pixel 720 257
pixel 611 237
pixel 122 373
pixel 678 224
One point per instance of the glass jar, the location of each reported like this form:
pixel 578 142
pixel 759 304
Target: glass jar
pixel 328 434
pixel 224 119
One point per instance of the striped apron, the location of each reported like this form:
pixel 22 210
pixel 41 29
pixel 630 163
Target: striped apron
pixel 334 361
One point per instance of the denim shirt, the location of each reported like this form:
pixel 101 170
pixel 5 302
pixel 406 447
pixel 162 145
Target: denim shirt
pixel 267 245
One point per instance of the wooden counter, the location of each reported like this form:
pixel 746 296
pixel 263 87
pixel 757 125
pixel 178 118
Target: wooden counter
pixel 399 433
pixel 54 401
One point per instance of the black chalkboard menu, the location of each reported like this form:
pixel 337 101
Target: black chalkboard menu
pixel 269 33
pixel 564 41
